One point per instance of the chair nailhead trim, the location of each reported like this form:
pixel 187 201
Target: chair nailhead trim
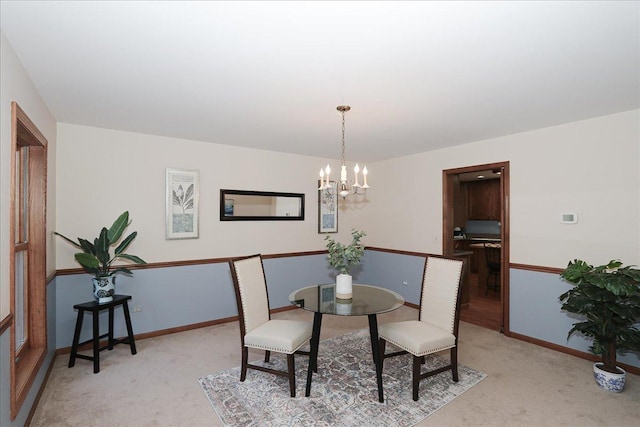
pixel 423 354
pixel 277 350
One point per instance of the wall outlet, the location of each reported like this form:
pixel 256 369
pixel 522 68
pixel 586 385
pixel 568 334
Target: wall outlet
pixel 405 283
pixel 137 309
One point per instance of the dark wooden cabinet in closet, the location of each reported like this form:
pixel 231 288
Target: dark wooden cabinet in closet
pixel 483 199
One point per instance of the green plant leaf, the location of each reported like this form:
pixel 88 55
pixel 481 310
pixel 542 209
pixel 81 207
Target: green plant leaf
pixel 88 261
pixel 125 243
pixel 68 240
pixel 102 244
pixel 118 227
pixel 133 258
pixel 122 270
pixel 87 246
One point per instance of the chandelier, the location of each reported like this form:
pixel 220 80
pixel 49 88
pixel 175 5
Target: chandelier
pixel 345 186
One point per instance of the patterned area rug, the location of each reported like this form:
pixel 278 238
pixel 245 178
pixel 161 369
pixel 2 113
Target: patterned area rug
pixel 343 392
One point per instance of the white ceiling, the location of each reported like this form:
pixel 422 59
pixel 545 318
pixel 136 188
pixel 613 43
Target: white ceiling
pixel 418 75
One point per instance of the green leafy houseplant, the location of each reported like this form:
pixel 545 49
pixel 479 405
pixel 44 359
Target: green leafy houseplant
pixel 342 257
pixel 609 298
pixel 96 258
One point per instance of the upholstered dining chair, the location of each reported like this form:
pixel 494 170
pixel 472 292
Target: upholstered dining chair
pixel 257 329
pixel 437 326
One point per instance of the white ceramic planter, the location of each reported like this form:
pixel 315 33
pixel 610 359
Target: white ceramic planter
pixel 609 381
pixel 104 288
pixel 344 289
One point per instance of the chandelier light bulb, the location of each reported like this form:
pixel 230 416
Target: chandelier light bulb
pixel 343 174
pixel 365 172
pixel 327 171
pixel 356 170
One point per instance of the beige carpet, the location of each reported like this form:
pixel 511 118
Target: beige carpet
pixel 525 384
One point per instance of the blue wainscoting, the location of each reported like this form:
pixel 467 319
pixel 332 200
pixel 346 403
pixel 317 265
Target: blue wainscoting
pixel 285 275
pixel 167 297
pixel 390 270
pixel 5 378
pixel 172 297
pixel 5 367
pixel 536 312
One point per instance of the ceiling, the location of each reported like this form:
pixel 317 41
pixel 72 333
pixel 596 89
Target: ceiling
pixel 419 76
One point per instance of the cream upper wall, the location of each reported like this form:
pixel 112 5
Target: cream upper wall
pixel 103 172
pixel 15 85
pixel 585 167
pixel 589 167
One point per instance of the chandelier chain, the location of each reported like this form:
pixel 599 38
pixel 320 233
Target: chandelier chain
pixel 343 138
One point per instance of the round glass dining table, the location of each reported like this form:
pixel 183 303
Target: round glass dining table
pixel 367 301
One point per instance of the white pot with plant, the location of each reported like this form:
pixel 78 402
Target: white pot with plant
pixel 343 258
pixel 96 259
pixel 607 298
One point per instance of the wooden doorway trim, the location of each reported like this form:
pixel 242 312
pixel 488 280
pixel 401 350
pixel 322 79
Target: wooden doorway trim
pixel 450 179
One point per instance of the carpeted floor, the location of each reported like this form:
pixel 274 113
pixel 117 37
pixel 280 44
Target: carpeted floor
pixel 526 385
pixel 343 392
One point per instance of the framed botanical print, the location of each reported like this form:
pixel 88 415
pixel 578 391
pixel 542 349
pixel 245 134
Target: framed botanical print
pixel 181 216
pixel 328 209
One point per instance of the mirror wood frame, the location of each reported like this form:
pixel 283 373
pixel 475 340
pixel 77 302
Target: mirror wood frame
pixel 224 194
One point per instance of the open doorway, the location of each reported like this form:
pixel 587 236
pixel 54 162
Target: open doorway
pixel 482 206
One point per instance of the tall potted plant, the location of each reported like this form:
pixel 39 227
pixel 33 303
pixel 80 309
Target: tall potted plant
pixel 343 258
pixel 96 258
pixel 608 296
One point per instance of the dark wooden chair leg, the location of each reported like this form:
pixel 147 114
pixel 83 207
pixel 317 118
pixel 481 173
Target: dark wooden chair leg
pixel 416 376
pixel 313 352
pixel 267 355
pixel 454 363
pixel 383 347
pixel 245 361
pixel 291 367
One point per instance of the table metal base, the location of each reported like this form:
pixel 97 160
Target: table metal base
pixel 375 350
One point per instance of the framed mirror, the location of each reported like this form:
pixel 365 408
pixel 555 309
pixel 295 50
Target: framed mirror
pixel 242 205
